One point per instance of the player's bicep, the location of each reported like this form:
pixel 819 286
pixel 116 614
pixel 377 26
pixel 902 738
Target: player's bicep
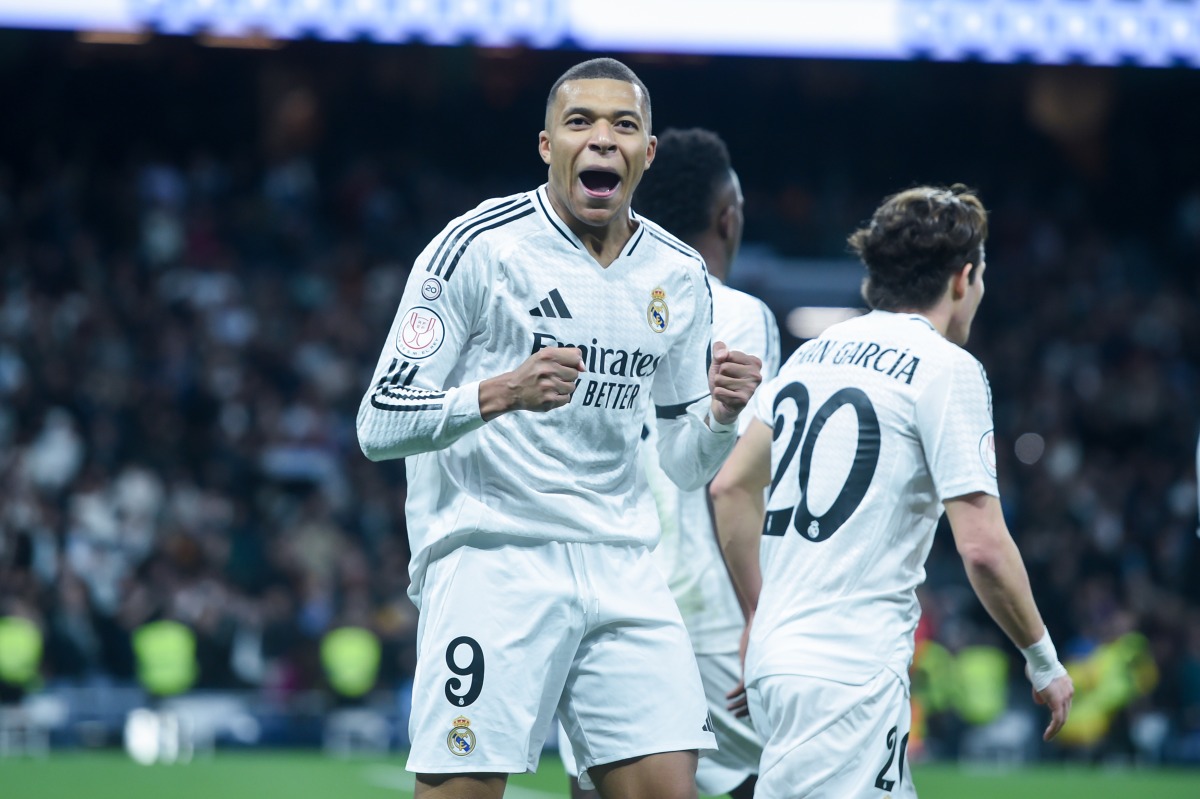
pixel 977 524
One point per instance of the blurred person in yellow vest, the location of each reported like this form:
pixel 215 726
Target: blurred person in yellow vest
pixel 951 689
pixel 165 653
pixel 20 655
pixel 982 685
pixel 350 656
pixel 1110 678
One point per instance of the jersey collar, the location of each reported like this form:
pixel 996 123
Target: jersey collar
pixel 541 198
pixel 920 318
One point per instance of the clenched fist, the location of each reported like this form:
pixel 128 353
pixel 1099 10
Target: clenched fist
pixel 732 379
pixel 545 381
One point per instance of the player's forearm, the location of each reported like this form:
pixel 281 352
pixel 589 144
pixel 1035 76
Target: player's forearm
pixel 689 452
pixel 998 576
pixel 396 423
pixel 738 514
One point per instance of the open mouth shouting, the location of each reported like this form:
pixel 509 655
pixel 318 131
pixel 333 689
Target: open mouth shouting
pixel 599 183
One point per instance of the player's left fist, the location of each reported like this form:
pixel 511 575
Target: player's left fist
pixel 732 379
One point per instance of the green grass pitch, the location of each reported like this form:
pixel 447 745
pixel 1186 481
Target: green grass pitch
pixel 259 775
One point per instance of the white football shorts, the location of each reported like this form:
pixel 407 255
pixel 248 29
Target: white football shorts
pixel 738 745
pixel 831 740
pixel 515 631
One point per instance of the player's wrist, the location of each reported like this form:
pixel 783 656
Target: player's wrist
pixel 495 397
pixel 720 418
pixel 717 426
pixel 1042 660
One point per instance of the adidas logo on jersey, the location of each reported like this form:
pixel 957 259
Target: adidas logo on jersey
pixel 552 305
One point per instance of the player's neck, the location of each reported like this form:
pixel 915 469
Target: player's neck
pixel 938 315
pixel 712 249
pixel 604 243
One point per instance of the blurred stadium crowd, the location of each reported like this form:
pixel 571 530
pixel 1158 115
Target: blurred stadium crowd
pixel 201 252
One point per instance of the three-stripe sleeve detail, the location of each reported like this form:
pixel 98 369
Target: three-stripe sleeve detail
pixel 392 392
pixel 448 253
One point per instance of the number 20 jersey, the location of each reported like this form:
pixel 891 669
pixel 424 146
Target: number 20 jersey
pixel 876 423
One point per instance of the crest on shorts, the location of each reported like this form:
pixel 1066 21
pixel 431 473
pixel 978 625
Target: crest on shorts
pixel 461 740
pixel 657 313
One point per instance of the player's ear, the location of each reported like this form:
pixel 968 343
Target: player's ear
pixel 544 146
pixel 725 221
pixel 651 149
pixel 960 281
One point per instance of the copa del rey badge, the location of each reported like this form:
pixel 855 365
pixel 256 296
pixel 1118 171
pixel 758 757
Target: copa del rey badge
pixel 657 313
pixel 461 740
pixel 421 333
pixel 987 452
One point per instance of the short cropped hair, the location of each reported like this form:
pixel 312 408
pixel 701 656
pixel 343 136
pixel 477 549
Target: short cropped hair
pixel 599 69
pixel 915 241
pixel 690 167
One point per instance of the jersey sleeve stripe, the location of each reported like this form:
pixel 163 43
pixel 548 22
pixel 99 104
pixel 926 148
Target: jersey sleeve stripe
pixel 673 411
pixel 443 252
pixel 466 243
pixel 465 223
pixel 675 244
pixel 389 395
pixel 407 399
pixel 378 403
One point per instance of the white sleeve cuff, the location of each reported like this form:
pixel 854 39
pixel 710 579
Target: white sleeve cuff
pixel 721 427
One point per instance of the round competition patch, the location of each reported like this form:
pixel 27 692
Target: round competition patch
pixel 987 452
pixel 431 289
pixel 421 333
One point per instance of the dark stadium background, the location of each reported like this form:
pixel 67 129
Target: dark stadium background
pixel 201 250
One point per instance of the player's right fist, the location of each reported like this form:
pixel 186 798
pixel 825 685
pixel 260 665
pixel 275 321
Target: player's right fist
pixel 545 381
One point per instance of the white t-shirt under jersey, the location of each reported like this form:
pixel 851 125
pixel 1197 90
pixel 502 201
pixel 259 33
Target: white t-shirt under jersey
pixel 877 423
pixel 498 284
pixel 688 554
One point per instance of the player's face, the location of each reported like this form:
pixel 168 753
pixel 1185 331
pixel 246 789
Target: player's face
pixel 597 142
pixel 960 323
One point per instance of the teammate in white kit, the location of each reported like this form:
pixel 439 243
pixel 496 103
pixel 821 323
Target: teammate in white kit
pixel 693 192
pixel 531 336
pixel 868 432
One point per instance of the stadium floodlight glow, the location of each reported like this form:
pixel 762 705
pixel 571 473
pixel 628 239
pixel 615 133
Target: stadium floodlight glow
pixel 1151 33
pixel 811 321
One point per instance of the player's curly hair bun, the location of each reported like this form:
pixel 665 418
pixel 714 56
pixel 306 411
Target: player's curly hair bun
pixel 915 240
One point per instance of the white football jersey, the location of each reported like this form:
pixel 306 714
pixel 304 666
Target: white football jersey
pixel 688 554
pixel 876 423
pixel 497 285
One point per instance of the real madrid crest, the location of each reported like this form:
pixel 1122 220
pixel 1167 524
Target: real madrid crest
pixel 461 740
pixel 657 313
